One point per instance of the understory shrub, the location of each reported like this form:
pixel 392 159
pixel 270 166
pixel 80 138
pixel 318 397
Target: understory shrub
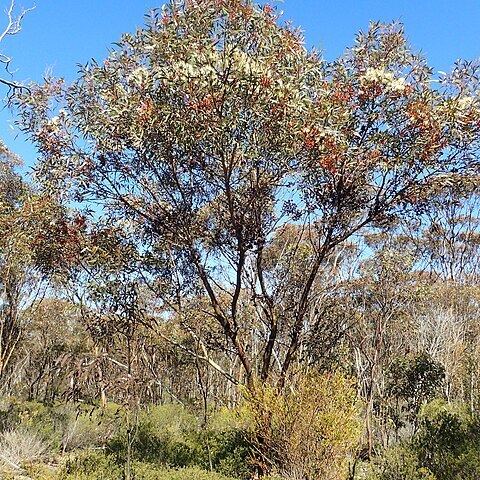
pixel 448 441
pixel 170 436
pixel 307 431
pixel 445 447
pixel 400 463
pixel 95 465
pixel 91 465
pixel 164 435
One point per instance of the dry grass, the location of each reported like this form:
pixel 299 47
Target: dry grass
pixel 19 447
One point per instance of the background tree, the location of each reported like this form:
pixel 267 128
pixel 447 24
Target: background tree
pixel 447 235
pixel 20 282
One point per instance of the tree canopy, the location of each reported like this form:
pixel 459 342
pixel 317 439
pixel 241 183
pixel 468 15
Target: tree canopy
pixel 210 132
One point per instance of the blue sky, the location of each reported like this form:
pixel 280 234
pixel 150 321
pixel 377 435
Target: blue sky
pixel 60 34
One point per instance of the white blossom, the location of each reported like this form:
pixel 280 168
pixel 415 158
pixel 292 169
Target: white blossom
pixel 139 76
pixel 387 79
pixel 465 101
pixel 206 67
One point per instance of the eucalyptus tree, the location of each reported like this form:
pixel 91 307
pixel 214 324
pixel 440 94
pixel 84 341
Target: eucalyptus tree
pixel 207 131
pixel 22 218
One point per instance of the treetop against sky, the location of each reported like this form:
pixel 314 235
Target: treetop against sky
pixel 60 34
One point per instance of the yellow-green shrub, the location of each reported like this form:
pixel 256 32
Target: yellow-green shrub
pixel 306 431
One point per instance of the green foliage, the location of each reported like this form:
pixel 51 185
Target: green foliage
pixel 63 427
pixel 12 186
pixel 91 465
pixel 448 441
pixel 148 472
pixel 400 463
pixel 46 421
pixel 39 471
pixel 414 380
pixel 168 435
pixel 230 452
pixel 446 447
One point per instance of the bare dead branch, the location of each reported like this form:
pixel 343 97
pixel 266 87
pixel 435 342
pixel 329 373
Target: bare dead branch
pixel 14 25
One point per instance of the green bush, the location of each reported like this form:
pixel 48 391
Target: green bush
pixel 91 465
pixel 445 447
pixel 400 463
pixel 147 472
pixel 63 426
pixel 44 420
pixel 95 465
pixel 229 453
pixel 170 436
pixel 448 441
pixel 164 435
